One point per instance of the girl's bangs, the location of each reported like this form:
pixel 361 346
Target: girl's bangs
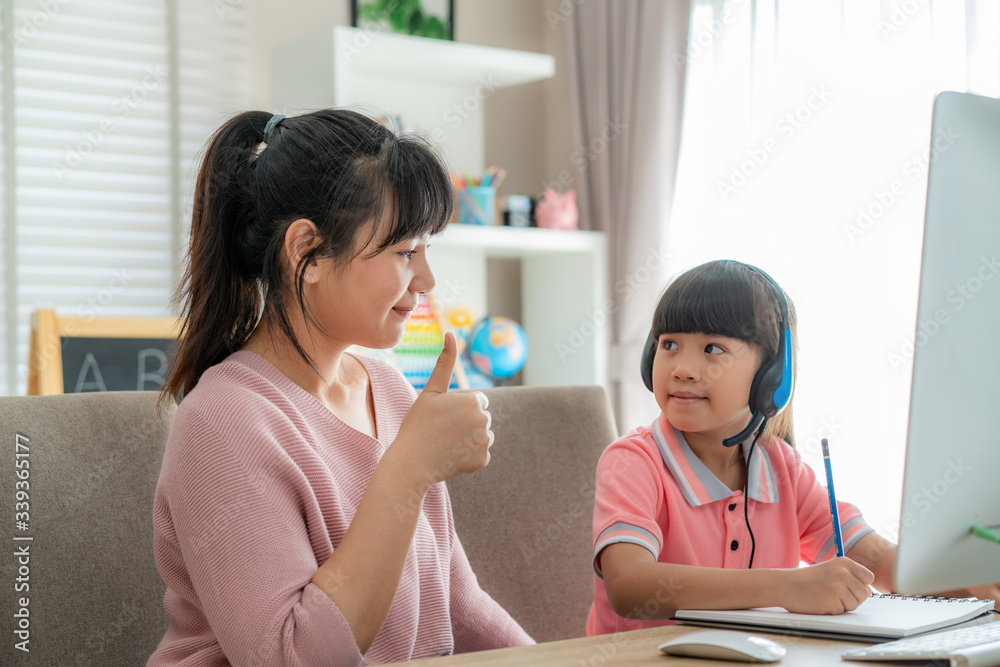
pixel 718 300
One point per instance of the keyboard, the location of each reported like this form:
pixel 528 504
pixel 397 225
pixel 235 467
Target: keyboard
pixel 974 646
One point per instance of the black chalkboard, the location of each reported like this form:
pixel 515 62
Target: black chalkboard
pixel 114 364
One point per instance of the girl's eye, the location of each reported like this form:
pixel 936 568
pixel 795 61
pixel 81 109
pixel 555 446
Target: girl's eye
pixel 408 254
pixel 668 344
pixel 712 348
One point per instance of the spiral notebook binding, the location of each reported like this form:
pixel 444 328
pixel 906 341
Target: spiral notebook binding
pixel 924 598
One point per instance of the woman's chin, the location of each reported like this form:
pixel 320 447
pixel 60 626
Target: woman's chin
pixel 384 341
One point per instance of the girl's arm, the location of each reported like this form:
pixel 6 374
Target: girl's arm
pixel 640 587
pixel 878 555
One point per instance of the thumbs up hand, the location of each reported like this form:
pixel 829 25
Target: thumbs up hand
pixel 445 435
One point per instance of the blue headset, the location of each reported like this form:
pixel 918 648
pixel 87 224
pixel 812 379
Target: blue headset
pixel 771 389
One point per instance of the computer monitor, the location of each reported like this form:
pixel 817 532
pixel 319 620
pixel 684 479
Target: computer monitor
pixel 952 475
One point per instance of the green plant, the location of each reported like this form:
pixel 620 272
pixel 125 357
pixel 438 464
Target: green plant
pixel 405 16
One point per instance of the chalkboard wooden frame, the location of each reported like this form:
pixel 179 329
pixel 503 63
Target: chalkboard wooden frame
pixel 45 368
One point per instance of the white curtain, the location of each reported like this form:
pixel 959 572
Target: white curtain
pixel 805 151
pixel 626 91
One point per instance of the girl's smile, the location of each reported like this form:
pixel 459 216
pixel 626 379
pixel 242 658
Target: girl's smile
pixel 685 398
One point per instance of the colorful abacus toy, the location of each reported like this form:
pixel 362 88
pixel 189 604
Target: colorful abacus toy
pixel 418 351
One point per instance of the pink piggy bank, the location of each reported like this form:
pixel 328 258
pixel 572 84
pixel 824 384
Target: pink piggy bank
pixel 557 211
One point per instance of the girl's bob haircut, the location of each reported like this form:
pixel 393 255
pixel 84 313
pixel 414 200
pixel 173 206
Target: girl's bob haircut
pixel 728 298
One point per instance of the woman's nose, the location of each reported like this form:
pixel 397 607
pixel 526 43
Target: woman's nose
pixel 423 280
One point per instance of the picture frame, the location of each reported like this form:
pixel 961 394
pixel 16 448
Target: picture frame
pixel 433 19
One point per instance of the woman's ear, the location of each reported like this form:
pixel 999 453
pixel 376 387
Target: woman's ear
pixel 301 237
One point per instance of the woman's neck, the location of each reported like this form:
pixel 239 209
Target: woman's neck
pixel 335 378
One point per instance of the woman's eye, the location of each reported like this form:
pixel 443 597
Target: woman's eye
pixel 712 348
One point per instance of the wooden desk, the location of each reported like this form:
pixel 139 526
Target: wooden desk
pixel 638 647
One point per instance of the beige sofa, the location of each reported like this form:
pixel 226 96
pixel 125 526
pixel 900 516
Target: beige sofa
pixel 92 590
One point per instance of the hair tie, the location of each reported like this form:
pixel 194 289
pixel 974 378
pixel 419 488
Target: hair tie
pixel 271 124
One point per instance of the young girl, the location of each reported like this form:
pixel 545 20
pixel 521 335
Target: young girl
pixel 671 516
pixel 298 517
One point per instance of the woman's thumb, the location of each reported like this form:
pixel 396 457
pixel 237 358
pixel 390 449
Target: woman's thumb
pixel 441 375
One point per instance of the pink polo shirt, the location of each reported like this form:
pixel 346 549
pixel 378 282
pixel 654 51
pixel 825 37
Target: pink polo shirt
pixel 654 491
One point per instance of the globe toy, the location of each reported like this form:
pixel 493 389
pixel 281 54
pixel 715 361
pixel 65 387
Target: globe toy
pixel 497 347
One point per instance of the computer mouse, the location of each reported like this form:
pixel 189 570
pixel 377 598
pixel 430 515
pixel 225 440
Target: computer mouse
pixel 724 645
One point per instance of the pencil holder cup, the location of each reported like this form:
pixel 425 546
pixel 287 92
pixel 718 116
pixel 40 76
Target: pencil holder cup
pixel 476 205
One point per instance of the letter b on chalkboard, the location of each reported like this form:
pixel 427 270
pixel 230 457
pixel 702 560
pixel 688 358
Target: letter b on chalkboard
pixel 114 364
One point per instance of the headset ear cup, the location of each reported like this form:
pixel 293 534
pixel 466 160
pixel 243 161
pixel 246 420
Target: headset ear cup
pixel 765 383
pixel 646 365
pixel 769 380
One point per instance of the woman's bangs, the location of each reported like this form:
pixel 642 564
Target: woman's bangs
pixel 422 193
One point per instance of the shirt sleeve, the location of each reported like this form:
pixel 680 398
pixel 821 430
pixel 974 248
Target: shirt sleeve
pixel 244 545
pixel 816 539
pixel 478 622
pixel 626 501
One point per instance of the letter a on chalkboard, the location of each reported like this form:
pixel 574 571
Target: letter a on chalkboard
pixel 89 362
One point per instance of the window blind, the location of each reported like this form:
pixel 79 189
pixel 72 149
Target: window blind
pixel 6 350
pixel 214 82
pixel 106 135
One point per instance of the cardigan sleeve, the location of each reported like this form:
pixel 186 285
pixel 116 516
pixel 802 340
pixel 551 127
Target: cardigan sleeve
pixel 241 540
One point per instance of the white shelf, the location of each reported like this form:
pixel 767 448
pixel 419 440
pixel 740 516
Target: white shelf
pixel 439 88
pixel 520 241
pixel 563 293
pixel 439 61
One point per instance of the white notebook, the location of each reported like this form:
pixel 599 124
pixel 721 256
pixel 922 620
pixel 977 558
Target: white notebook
pixel 878 617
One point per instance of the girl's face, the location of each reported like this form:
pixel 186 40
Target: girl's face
pixel 702 383
pixel 368 301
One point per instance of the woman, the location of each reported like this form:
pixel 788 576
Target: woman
pixel 299 517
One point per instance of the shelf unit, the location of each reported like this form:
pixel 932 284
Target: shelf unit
pixel 563 293
pixel 436 86
pixel 439 88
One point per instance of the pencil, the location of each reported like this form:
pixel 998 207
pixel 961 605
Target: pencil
pixel 834 513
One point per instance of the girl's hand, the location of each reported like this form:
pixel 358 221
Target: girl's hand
pixel 983 592
pixel 986 592
pixel 444 435
pixel 832 587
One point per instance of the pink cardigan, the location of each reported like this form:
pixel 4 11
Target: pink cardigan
pixel 259 484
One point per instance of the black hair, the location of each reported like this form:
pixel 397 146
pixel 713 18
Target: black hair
pixel 338 168
pixel 728 298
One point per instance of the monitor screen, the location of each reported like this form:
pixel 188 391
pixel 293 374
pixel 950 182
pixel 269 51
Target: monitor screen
pixel 952 476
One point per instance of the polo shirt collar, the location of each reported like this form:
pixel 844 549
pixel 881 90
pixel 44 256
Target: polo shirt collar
pixel 699 484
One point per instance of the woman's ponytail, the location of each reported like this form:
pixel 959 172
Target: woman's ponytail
pixel 334 167
pixel 219 295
